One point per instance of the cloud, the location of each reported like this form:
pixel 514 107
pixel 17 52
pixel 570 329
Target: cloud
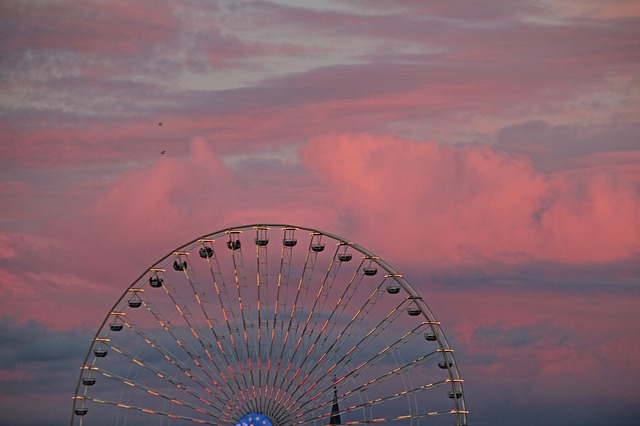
pixel 32 342
pixel 488 150
pixel 523 330
pixel 6 249
pixel 117 26
pixel 42 281
pixel 469 204
pixel 105 77
pixel 526 346
pixel 38 368
pixel 556 147
pixel 453 208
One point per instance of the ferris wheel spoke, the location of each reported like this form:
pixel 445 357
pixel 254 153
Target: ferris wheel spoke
pixel 185 369
pixel 343 338
pixel 383 420
pixel 279 295
pixel 228 313
pixel 321 299
pixel 219 356
pixel 336 315
pixel 245 309
pixel 262 280
pixel 226 304
pixel 293 329
pixel 405 366
pixel 296 313
pixel 380 380
pixel 148 411
pixel 358 370
pixel 240 280
pixel 184 346
pixel 354 351
pixel 212 409
pixel 309 328
pixel 323 365
pixel 289 241
pixel 362 344
pixel 381 400
pixel 167 377
pixel 300 298
pixel 355 325
pixel 306 370
pixel 327 330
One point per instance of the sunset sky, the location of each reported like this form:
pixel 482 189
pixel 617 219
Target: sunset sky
pixel 488 150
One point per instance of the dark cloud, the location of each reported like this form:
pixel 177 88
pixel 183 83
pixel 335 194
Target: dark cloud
pixel 31 343
pixel 39 367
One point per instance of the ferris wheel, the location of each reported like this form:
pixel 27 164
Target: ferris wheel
pixel 270 325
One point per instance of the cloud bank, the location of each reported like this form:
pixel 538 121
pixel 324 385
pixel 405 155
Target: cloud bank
pixel 488 150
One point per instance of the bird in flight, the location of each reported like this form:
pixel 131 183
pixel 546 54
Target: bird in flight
pixel 163 152
pixel 159 124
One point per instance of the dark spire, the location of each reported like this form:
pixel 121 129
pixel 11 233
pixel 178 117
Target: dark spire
pixel 335 410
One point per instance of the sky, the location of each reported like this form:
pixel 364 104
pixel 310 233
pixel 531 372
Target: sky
pixel 487 150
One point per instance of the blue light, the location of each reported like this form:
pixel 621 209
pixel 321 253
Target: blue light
pixel 254 419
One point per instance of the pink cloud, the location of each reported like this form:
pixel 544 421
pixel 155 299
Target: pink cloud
pixel 164 195
pixel 470 204
pixel 545 332
pixel 92 244
pixel 7 251
pixel 439 205
pixel 47 280
pixel 529 340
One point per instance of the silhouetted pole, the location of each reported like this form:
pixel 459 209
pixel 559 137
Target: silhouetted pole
pixel 335 410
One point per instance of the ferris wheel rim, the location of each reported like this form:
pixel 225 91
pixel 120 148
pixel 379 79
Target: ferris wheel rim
pixel 392 273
